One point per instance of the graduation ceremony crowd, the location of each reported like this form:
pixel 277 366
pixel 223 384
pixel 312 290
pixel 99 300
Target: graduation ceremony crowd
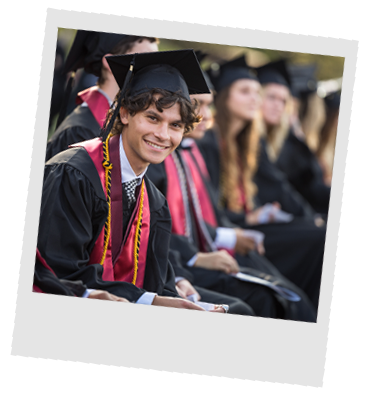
pixel 170 184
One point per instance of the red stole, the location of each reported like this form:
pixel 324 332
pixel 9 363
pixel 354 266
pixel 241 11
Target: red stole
pixel 97 103
pixel 44 263
pixel 126 256
pixel 206 205
pixel 175 198
pixel 193 180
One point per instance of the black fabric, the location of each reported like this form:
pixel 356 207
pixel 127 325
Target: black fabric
pixel 73 213
pixel 303 171
pixel 296 249
pixel 80 125
pixel 273 185
pixel 262 300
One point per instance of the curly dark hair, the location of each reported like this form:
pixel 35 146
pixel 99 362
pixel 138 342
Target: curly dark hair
pixel 162 99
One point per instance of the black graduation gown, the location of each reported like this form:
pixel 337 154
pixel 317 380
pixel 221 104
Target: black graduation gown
pixel 303 171
pixel 73 212
pixel 273 185
pixel 258 297
pixel 296 248
pixel 80 125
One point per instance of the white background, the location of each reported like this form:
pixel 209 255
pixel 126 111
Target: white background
pixel 22 35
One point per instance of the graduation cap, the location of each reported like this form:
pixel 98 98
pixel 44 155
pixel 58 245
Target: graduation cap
pixel 175 71
pixel 230 72
pixel 201 56
pixel 274 72
pixel 303 81
pixel 333 100
pixel 87 51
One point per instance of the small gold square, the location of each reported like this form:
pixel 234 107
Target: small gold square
pixel 363 21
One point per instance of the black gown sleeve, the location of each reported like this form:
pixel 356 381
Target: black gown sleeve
pixel 48 282
pixel 62 139
pixel 71 217
pixel 273 186
pixel 304 173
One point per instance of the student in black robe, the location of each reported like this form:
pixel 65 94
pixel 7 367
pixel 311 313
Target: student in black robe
pixel 206 268
pixel 297 158
pixel 231 151
pixel 96 224
pixel 89 51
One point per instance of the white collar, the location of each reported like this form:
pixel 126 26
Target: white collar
pixel 125 167
pixel 84 104
pixel 187 142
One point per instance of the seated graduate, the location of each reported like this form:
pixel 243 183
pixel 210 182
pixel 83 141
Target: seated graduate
pixel 230 150
pixel 89 51
pixel 101 220
pixel 297 154
pixel 207 241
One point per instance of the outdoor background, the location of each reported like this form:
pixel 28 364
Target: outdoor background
pixel 329 69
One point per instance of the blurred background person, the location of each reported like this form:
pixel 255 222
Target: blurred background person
pixel 328 133
pixel 232 154
pixel 297 158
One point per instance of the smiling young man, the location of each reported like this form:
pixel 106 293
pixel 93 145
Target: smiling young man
pixel 102 221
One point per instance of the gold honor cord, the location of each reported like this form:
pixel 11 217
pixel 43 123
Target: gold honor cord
pixel 136 249
pixel 108 167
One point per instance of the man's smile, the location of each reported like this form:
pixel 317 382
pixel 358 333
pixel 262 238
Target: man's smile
pixel 155 146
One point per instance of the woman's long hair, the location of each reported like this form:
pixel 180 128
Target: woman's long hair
pixel 312 117
pixel 238 157
pixel 275 136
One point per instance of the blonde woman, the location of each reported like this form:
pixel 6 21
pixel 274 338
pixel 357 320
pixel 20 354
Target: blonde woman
pixel 231 151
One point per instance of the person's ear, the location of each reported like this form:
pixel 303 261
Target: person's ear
pixel 105 63
pixel 124 115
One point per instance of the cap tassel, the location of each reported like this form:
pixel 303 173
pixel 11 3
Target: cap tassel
pixel 68 91
pixel 106 129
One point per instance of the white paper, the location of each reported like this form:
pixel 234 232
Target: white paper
pixel 269 210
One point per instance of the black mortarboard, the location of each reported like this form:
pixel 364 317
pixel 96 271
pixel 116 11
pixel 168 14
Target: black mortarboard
pixel 303 81
pixel 201 56
pixel 87 51
pixel 230 72
pixel 333 100
pixel 176 71
pixel 274 72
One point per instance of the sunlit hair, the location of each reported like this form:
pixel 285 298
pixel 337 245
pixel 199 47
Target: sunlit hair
pixel 276 135
pixel 312 116
pixel 238 157
pixel 162 99
pixel 327 143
